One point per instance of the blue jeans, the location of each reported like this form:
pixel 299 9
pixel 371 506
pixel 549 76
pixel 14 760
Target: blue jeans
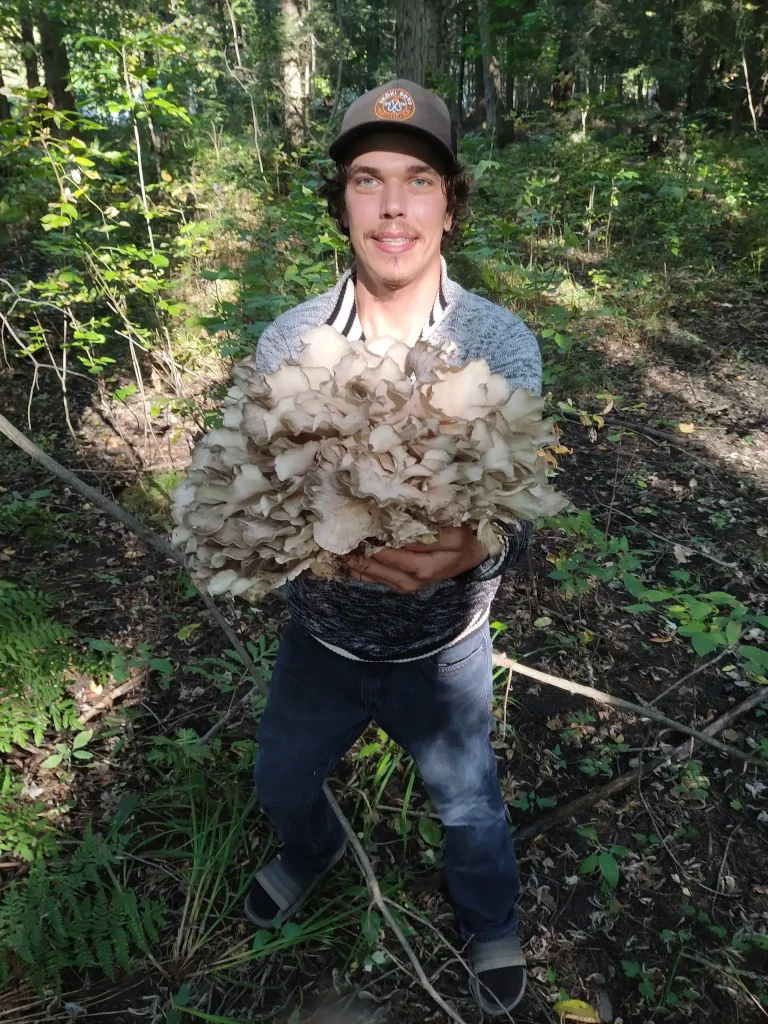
pixel 438 710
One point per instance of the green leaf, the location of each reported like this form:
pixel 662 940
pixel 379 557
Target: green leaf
pixel 82 739
pixel 158 260
pixel 52 761
pixel 634 609
pixel 367 750
pixel 125 809
pixel 370 926
pixel 588 831
pixel 83 755
pixel 756 655
pixel 186 631
pixel 161 665
pixel 704 643
pixel 635 586
pixel 698 609
pixel 100 645
pixel 609 868
pixel 588 864
pixel 291 930
pixel 183 996
pixel 261 938
pixel 733 632
pixel 430 831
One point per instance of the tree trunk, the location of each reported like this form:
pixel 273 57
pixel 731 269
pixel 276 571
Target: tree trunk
pixel 293 74
pixel 55 61
pixel 28 48
pixel 5 105
pixel 420 51
pixel 491 73
pixel 462 65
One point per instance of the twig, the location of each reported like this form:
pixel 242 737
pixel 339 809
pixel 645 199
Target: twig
pixel 642 711
pixel 671 543
pixel 381 903
pixel 106 702
pixel 583 803
pixel 686 678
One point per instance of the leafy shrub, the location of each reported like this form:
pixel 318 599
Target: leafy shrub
pixel 24 829
pixel 35 653
pixel 73 914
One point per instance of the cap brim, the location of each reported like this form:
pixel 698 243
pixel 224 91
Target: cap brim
pixel 341 143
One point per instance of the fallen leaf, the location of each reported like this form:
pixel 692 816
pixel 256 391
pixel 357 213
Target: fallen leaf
pixel 681 554
pixel 554 723
pixel 686 428
pixel 575 1009
pixel 9 551
pixel 661 639
pixel 542 622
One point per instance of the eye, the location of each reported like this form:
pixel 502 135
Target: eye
pixel 361 180
pixel 425 180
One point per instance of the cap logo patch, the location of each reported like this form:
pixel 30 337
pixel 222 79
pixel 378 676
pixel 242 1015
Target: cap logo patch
pixel 395 105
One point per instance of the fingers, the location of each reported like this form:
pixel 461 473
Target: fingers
pixel 450 538
pixel 373 571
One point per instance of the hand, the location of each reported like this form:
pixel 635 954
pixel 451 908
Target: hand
pixel 415 566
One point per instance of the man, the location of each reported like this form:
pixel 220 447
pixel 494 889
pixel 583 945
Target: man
pixel 405 640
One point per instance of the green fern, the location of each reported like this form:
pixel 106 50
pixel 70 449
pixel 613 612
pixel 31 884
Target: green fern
pixel 25 830
pixel 35 653
pixel 73 914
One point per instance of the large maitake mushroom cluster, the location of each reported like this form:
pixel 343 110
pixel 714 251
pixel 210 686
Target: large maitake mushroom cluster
pixel 354 446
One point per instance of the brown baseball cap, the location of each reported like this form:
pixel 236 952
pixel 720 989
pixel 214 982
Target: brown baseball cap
pixel 401 106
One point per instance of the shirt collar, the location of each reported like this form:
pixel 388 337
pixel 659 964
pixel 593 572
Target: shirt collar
pixel 344 317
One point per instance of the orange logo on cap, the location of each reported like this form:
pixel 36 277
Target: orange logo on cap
pixel 395 105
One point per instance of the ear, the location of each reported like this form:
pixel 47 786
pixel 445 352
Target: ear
pixel 448 222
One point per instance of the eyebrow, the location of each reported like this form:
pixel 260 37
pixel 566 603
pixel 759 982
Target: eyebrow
pixel 411 169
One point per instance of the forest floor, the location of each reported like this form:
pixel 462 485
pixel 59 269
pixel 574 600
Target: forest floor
pixel 651 907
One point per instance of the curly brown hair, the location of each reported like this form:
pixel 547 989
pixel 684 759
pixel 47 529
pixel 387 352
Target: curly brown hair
pixel 458 186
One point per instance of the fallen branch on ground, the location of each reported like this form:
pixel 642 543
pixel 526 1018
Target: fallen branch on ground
pixel 106 702
pixel 641 710
pixel 137 527
pixel 576 807
pixel 381 903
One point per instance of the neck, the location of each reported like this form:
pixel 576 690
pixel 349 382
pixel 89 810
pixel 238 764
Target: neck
pixel 399 313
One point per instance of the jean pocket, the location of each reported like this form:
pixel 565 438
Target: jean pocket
pixel 466 655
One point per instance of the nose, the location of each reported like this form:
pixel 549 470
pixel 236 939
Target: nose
pixel 393 200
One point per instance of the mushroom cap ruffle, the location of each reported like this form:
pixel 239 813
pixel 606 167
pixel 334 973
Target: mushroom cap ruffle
pixel 354 446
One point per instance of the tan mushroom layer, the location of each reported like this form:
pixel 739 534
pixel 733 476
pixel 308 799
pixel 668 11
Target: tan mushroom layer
pixel 352 447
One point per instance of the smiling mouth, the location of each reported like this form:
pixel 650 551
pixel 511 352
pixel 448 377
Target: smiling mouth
pixel 394 244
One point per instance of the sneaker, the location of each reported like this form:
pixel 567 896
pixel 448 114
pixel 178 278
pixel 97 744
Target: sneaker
pixel 498 975
pixel 276 895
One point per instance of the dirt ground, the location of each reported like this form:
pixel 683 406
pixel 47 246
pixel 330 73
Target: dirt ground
pixel 693 839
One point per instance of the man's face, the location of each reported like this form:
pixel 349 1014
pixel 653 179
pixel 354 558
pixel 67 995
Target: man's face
pixel 396 206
